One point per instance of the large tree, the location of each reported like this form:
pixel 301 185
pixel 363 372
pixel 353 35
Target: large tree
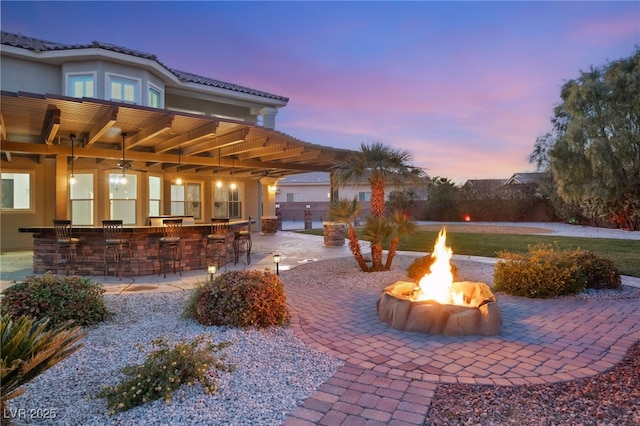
pixel 380 165
pixel 593 151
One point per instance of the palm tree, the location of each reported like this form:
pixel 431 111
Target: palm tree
pixel 345 210
pixel 379 165
pixel 401 225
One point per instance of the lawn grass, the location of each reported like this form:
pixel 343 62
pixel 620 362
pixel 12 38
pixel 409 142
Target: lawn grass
pixel 624 253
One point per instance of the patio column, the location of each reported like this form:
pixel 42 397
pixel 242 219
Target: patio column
pixel 62 188
pixel 269 218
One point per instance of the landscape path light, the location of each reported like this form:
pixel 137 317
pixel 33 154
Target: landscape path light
pixel 276 260
pixel 211 270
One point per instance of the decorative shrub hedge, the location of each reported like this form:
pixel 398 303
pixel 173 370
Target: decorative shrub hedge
pixel 420 267
pixel 545 271
pixel 61 299
pixel 599 273
pixel 240 299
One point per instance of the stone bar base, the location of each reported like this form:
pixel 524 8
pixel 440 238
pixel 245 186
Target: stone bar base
pixel 269 225
pixel 145 249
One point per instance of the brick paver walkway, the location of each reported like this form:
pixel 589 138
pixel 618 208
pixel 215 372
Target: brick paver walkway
pixel 390 376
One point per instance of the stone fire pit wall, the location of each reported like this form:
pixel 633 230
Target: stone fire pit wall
pixel 483 316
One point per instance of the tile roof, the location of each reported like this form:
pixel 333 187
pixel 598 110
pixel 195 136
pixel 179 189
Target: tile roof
pixel 306 178
pixel 37 45
pixel 523 178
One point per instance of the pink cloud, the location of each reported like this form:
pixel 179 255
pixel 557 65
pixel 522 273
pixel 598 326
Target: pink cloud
pixel 605 30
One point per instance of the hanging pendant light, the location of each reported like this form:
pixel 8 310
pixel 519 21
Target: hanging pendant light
pixel 218 181
pixel 72 178
pixel 179 179
pixel 118 181
pixel 233 183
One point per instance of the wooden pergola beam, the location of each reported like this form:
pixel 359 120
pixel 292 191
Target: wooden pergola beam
pixel 157 128
pixel 112 154
pixel 207 130
pixel 51 125
pixel 220 141
pixel 103 125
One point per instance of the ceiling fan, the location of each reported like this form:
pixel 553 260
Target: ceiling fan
pixel 124 164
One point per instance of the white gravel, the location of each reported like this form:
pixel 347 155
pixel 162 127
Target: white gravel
pixel 275 372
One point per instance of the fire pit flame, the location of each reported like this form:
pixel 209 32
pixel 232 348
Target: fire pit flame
pixel 437 304
pixel 437 284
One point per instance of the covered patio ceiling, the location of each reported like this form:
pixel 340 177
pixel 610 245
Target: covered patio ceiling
pixel 157 140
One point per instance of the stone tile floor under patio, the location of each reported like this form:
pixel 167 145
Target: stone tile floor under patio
pixel 390 376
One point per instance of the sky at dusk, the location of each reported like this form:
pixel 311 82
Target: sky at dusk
pixel 466 87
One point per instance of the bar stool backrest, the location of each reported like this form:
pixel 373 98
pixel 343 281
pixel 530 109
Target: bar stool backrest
pixel 112 229
pixel 219 226
pixel 172 229
pixel 63 230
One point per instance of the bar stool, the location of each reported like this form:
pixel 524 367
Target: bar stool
pixel 66 244
pixel 115 247
pixel 170 245
pixel 218 240
pixel 242 241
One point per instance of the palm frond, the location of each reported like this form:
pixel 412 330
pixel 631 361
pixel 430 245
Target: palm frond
pixel 29 349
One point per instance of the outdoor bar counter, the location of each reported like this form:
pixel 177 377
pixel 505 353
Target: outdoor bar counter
pixel 143 241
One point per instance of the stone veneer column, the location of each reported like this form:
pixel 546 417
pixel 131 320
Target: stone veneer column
pixel 334 233
pixel 269 217
pixel 269 225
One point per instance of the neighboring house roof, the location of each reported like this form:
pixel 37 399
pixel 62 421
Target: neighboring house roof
pixel 484 184
pixel 37 45
pixel 306 179
pixel 522 178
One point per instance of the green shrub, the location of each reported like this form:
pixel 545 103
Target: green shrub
pixel 165 370
pixel 543 272
pixel 599 273
pixel 73 299
pixel 29 349
pixel 420 267
pixel 240 299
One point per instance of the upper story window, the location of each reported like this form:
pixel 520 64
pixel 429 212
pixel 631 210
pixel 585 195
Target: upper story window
pixel 124 90
pixel 155 97
pixel 81 85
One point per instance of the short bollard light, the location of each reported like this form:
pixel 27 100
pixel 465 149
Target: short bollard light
pixel 276 260
pixel 211 270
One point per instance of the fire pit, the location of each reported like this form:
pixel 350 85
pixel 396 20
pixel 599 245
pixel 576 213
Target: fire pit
pixel 437 305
